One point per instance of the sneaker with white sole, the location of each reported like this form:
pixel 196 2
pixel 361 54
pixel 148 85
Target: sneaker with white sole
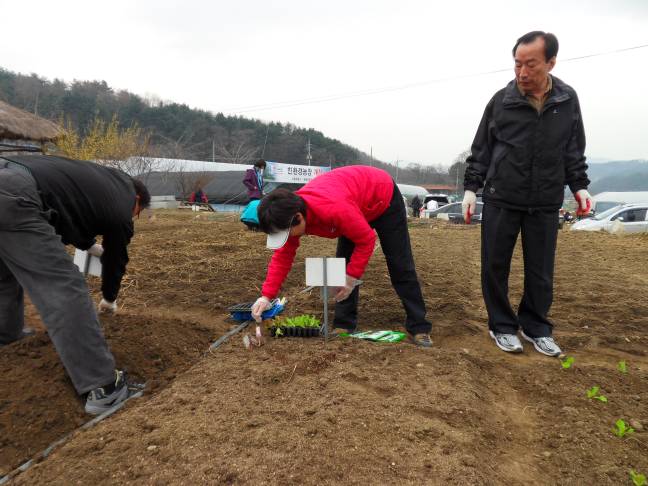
pixel 545 345
pixel 104 398
pixel 507 342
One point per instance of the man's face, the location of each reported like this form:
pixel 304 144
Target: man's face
pixel 531 68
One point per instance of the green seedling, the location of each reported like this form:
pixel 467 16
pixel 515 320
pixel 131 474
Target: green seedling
pixel 637 478
pixel 622 429
pixel 567 362
pixel 593 393
pixel 622 367
pixel 305 321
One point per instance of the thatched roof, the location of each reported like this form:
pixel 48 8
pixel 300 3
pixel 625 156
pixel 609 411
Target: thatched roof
pixel 17 124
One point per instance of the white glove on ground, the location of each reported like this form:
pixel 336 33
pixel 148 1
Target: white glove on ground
pixel 344 292
pixel 96 250
pixel 261 305
pixel 107 307
pixel 585 202
pixel 468 205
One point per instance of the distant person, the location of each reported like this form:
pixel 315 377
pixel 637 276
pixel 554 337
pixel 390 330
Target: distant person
pixel 198 196
pixel 416 206
pixel 352 204
pixel 46 203
pixel 432 204
pixel 253 180
pixel 529 144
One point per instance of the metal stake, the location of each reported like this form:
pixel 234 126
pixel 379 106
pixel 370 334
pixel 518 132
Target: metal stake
pixel 325 291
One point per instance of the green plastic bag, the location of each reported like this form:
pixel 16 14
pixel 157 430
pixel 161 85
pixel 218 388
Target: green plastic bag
pixel 378 336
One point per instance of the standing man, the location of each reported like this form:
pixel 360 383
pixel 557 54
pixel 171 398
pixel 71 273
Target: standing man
pixel 416 207
pixel 46 203
pixel 253 180
pixel 529 144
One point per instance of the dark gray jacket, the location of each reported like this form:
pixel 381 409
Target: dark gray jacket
pixel 523 158
pixel 83 200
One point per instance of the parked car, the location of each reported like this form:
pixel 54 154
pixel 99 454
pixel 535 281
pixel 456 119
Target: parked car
pixel 629 218
pixel 441 199
pixel 453 213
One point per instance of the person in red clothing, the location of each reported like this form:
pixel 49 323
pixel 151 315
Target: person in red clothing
pixel 198 196
pixel 352 204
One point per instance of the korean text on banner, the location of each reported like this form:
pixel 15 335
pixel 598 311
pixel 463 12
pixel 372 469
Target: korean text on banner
pixel 290 173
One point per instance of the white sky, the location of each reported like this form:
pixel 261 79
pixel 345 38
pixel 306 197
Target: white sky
pixel 228 55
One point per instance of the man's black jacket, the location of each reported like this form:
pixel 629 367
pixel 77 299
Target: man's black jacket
pixel 523 158
pixel 84 200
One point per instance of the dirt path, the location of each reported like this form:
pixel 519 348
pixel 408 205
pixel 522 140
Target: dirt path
pixel 300 411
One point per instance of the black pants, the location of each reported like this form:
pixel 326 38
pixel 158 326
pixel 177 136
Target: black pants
pixel 392 231
pixel 500 229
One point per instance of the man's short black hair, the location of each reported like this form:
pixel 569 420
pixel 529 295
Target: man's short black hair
pixel 278 209
pixel 143 193
pixel 260 164
pixel 551 43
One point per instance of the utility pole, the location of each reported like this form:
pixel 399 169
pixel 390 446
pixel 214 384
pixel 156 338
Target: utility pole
pixel 213 151
pixel 397 169
pixel 309 157
pixel 371 152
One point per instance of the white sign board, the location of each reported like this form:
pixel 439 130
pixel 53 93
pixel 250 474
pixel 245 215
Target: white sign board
pixel 295 174
pixel 88 264
pixel 335 272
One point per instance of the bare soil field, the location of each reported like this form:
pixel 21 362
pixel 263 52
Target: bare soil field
pixel 303 411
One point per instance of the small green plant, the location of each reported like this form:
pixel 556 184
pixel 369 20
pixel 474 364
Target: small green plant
pixel 622 429
pixel 622 367
pixel 637 478
pixel 298 321
pixel 593 393
pixel 567 362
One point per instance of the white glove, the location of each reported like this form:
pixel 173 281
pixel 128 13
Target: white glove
pixel 468 205
pixel 107 307
pixel 344 292
pixel 96 250
pixel 585 202
pixel 261 305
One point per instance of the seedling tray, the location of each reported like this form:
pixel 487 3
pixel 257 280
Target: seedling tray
pixel 243 312
pixel 295 331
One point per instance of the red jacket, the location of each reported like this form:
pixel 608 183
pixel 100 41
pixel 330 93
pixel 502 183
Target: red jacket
pixel 338 203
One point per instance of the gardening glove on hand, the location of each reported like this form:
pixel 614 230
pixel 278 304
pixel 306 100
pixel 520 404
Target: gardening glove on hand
pixel 468 205
pixel 344 292
pixel 261 305
pixel 96 250
pixel 584 201
pixel 107 307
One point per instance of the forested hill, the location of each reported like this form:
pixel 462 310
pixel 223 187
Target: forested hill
pixel 177 131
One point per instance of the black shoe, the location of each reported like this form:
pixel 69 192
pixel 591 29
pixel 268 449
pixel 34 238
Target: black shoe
pixel 26 332
pixel 106 397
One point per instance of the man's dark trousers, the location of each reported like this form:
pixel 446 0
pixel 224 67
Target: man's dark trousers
pixel 500 230
pixel 391 228
pixel 33 258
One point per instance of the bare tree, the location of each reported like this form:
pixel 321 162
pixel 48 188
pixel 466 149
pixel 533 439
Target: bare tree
pixel 188 182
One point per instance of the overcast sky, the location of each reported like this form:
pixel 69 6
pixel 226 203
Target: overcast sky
pixel 237 56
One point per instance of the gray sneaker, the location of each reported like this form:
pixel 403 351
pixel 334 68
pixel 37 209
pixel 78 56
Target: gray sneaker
pixel 100 401
pixel 507 342
pixel 545 345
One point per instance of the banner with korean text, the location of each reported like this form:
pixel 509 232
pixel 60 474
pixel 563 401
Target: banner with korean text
pixel 290 173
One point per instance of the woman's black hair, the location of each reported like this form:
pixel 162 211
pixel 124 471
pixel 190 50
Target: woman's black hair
pixel 260 164
pixel 277 210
